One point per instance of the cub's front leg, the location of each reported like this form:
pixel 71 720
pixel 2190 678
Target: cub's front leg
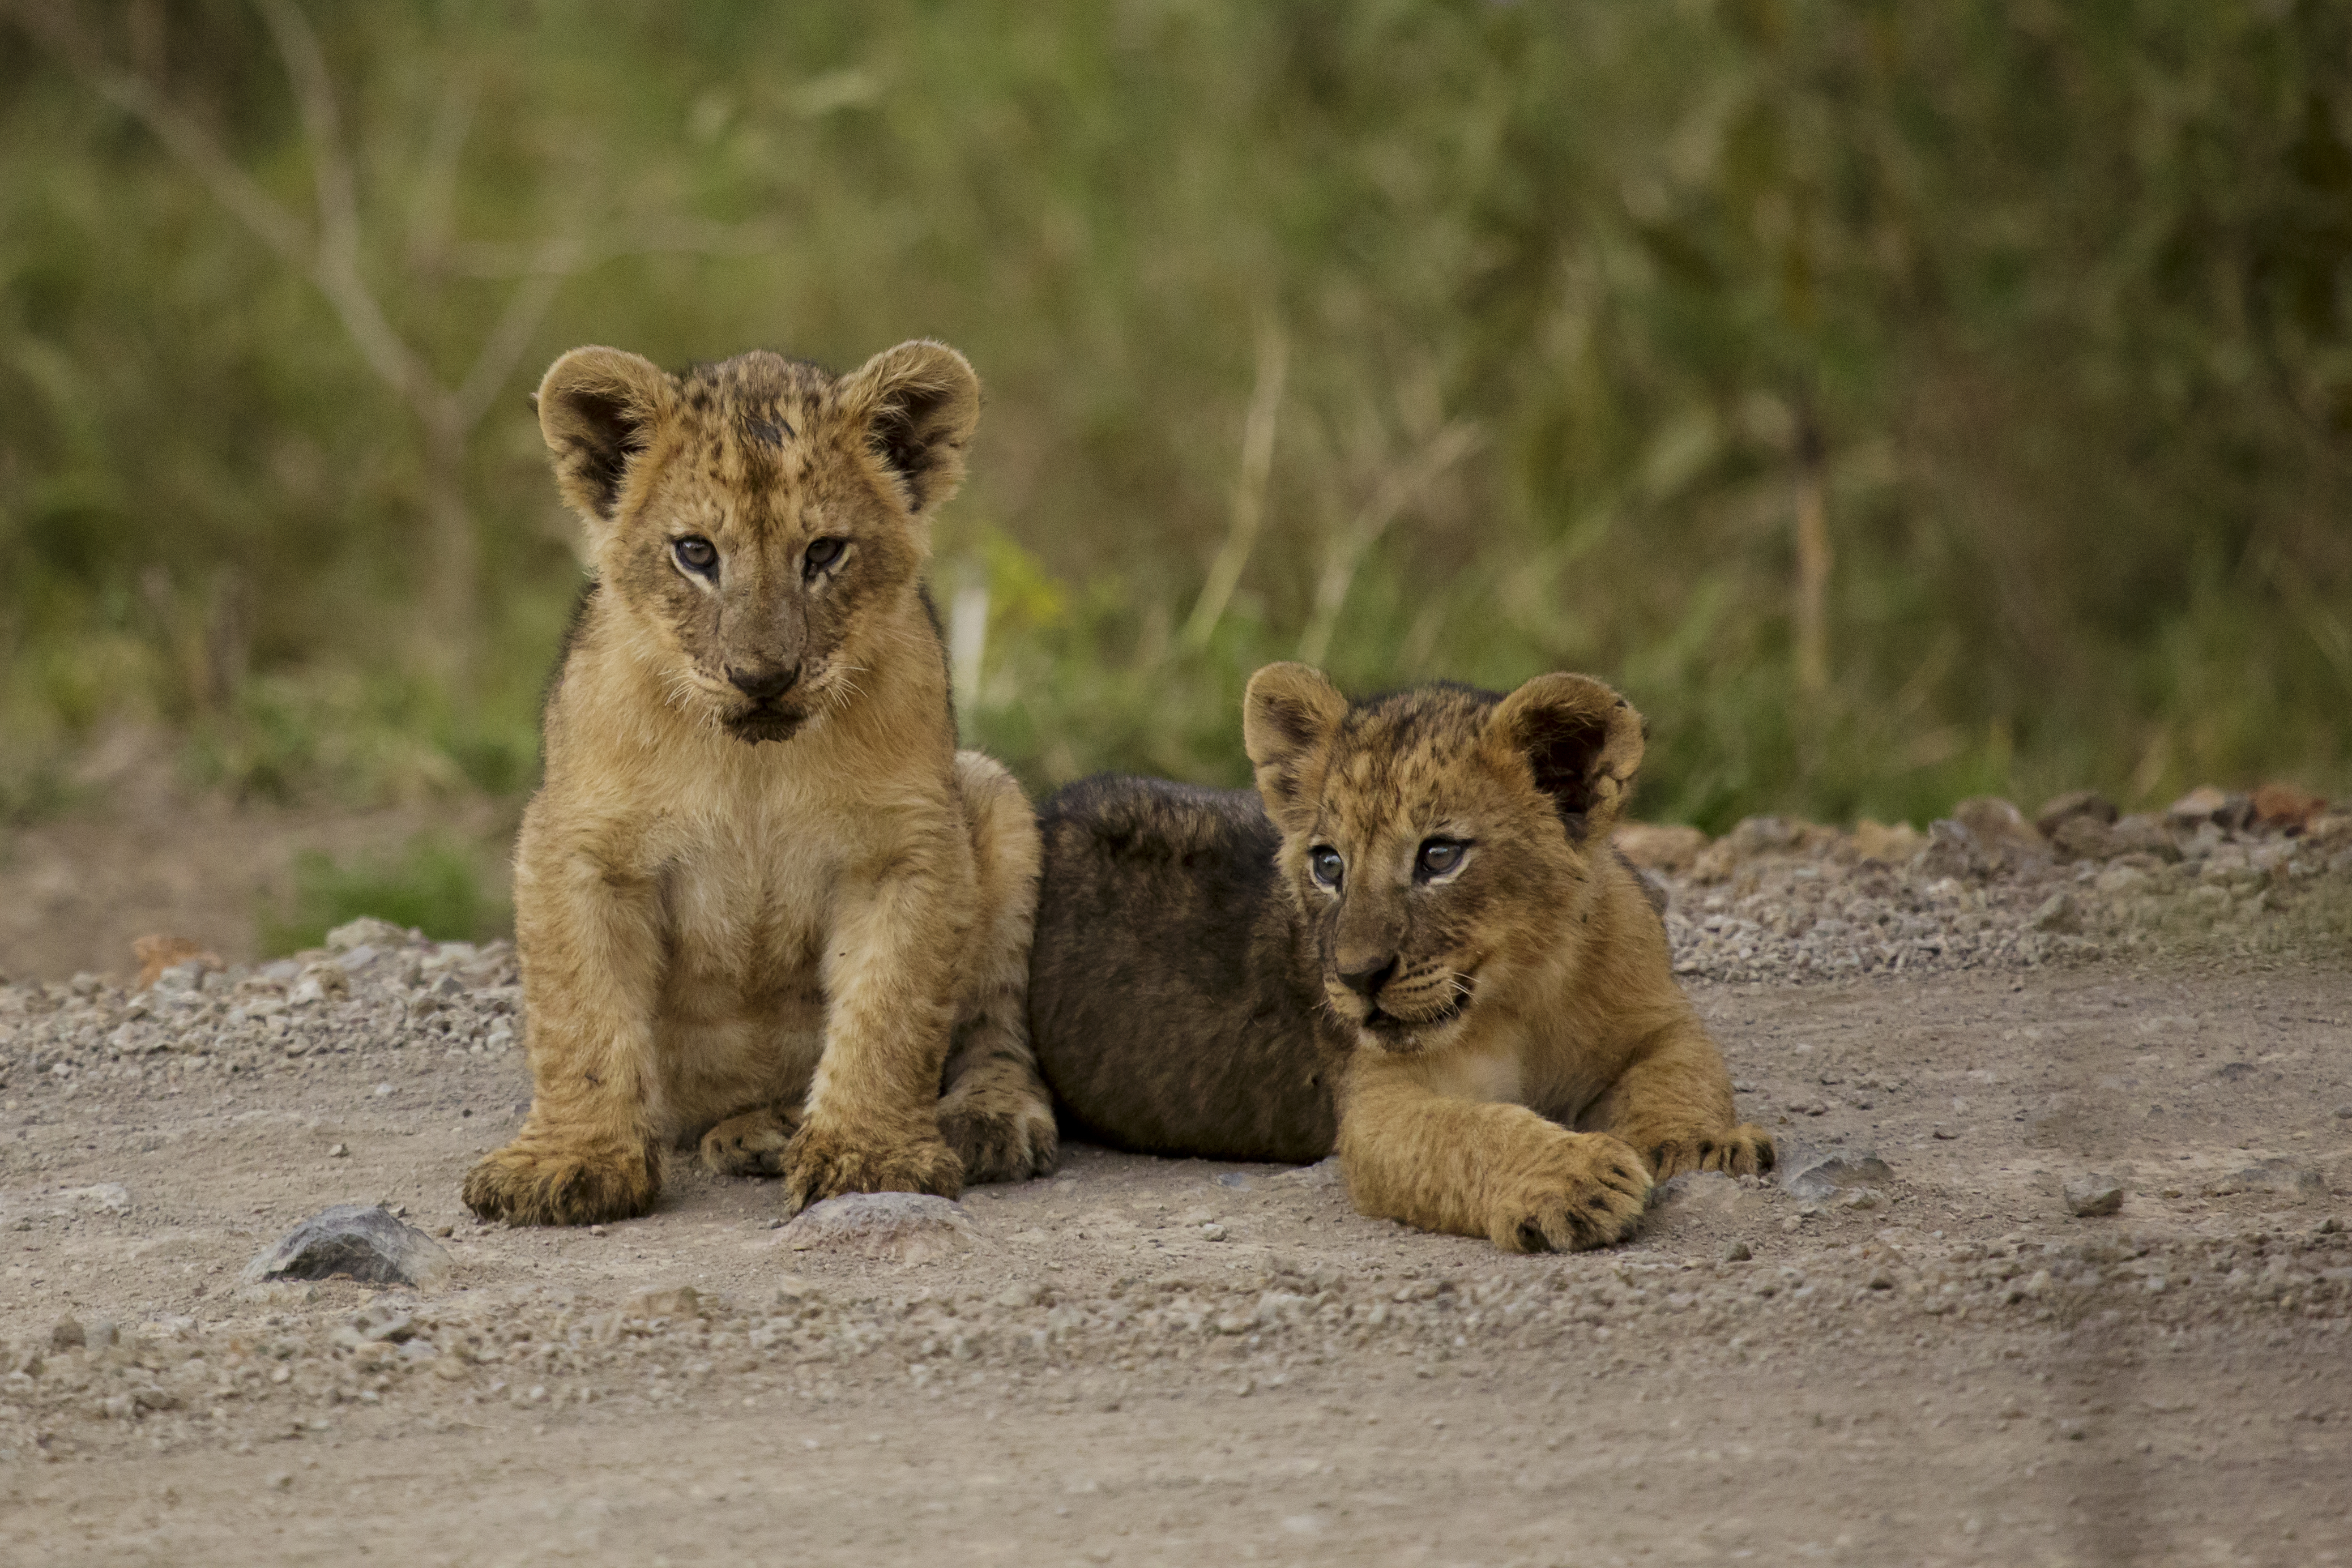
pixel 871 1122
pixel 591 968
pixel 1477 1169
pixel 1673 1105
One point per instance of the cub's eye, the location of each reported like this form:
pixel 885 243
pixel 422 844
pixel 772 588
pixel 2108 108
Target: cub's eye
pixel 821 553
pixel 696 553
pixel 1324 864
pixel 1439 856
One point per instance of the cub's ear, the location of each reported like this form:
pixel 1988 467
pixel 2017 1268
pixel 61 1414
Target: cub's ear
pixel 597 408
pixel 1288 717
pixel 919 402
pixel 1582 741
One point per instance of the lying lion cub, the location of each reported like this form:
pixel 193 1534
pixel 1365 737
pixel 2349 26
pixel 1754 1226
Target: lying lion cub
pixel 1421 950
pixel 761 894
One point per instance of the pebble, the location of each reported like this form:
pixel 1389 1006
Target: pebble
pixel 2093 1195
pixel 1821 1173
pixel 904 1227
pixel 364 1242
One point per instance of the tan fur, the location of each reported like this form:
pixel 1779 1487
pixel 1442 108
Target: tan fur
pixel 759 897
pixel 1527 992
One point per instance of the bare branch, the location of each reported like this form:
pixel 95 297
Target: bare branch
pixel 53 27
pixel 314 93
pixel 1397 491
pixel 1249 486
pixel 526 308
pixel 436 184
pixel 336 270
pixel 518 258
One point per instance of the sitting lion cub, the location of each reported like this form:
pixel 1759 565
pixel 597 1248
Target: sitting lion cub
pixel 761 896
pixel 1422 951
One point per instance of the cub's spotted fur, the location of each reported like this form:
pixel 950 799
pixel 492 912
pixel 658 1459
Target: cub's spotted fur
pixel 761 900
pixel 1413 944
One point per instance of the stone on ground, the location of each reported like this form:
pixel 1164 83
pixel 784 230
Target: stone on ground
pixel 907 1226
pixel 1819 1173
pixel 2093 1195
pixel 364 1242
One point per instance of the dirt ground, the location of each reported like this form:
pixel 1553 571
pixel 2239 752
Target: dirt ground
pixel 143 853
pixel 1144 1361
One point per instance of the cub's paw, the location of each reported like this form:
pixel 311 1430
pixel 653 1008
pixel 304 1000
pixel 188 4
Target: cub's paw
pixel 1001 1142
pixel 1580 1191
pixel 1745 1150
pixel 750 1145
pixel 532 1183
pixel 826 1160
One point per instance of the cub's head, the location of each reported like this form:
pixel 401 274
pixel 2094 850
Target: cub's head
pixel 1437 841
pixel 762 523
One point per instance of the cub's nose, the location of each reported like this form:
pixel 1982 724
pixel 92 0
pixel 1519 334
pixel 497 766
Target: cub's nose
pixel 762 685
pixel 1367 980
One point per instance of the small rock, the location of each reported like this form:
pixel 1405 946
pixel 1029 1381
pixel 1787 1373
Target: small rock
pixel 907 1227
pixel 2093 1195
pixel 1894 845
pixel 2085 839
pixel 367 931
pixel 1818 1174
pixel 2344 1113
pixel 2002 832
pixel 101 1333
pixel 2075 805
pixel 1212 1232
pixel 2144 834
pixel 362 1241
pixel 2205 804
pixel 2119 880
pixel 1736 1252
pixel 2058 913
pixel 1952 850
pixel 2283 809
pixel 67 1335
pixel 338 1151
pixel 317 982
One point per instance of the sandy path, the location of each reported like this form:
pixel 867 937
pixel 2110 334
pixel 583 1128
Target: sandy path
pixel 1954 1371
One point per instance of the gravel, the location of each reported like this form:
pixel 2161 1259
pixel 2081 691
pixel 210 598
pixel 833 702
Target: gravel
pixel 678 1347
pixel 1789 902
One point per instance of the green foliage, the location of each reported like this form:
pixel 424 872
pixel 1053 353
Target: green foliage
pixel 2063 294
pixel 433 885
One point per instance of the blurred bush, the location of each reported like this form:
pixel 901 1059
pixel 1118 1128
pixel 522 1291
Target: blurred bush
pixel 433 885
pixel 1897 402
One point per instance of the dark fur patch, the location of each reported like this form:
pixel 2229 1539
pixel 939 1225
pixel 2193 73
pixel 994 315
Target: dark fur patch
pixel 1563 749
pixel 616 433
pixel 1169 1002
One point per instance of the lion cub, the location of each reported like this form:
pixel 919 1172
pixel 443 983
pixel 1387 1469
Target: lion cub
pixel 760 898
pixel 1413 943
